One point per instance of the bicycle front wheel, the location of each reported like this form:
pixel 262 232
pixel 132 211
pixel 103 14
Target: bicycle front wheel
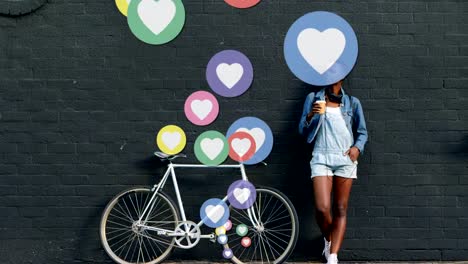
pixel 127 242
pixel 274 237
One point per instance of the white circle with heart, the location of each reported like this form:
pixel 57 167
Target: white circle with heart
pixel 242 194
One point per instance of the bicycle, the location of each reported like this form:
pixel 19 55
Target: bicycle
pixel 148 222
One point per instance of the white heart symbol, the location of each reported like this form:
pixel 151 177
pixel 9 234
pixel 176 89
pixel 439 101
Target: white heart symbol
pixel 201 108
pixel 228 225
pixel 212 147
pixel 229 75
pixel 242 229
pixel 223 239
pixel 214 213
pixel 242 195
pixel 171 140
pixel 257 133
pixel 228 253
pixel 128 1
pixel 240 146
pixel 156 15
pixel 321 49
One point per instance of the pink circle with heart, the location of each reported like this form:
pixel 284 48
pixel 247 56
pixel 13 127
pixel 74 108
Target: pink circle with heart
pixel 228 225
pixel 201 108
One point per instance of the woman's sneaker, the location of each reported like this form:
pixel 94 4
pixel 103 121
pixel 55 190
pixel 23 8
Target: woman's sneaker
pixel 332 259
pixel 326 249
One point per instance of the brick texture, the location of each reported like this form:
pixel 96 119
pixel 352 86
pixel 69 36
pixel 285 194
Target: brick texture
pixel 81 101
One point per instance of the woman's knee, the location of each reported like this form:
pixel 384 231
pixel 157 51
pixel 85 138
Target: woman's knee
pixel 340 209
pixel 323 208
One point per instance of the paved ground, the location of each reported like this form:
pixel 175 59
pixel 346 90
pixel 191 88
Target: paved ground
pixel 342 262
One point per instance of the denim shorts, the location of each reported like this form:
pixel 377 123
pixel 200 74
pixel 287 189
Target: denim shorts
pixel 333 163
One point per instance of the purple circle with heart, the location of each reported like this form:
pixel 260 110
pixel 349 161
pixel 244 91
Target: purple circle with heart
pixel 227 253
pixel 242 194
pixel 229 73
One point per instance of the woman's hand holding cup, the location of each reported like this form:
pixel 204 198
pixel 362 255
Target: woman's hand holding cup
pixel 317 108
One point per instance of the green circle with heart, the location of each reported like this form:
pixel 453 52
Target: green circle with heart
pixel 242 230
pixel 156 21
pixel 211 148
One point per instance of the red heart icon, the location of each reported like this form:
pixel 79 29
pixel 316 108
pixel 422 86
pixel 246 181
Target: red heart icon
pixel 241 146
pixel 246 242
pixel 242 3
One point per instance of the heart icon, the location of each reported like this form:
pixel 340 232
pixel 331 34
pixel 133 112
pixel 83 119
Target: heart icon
pixel 156 15
pixel 201 108
pixel 229 75
pixel 241 195
pixel 228 225
pixel 220 231
pixel 128 1
pixel 222 239
pixel 240 146
pixel 227 253
pixel 171 140
pixel 257 133
pixel 241 230
pixel 214 212
pixel 246 242
pixel 321 49
pixel 212 147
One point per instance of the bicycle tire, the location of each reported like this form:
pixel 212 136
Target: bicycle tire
pixel 104 219
pixel 294 226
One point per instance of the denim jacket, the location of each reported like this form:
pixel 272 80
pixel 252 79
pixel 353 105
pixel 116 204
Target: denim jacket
pixel 352 112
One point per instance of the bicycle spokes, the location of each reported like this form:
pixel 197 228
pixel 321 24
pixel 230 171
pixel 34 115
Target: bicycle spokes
pixel 272 238
pixel 142 226
pixel 126 239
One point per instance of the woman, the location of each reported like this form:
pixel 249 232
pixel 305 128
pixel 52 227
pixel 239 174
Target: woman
pixel 334 123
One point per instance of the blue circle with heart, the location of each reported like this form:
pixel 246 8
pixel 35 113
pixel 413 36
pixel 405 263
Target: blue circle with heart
pixel 214 212
pixel 260 132
pixel 241 194
pixel 222 239
pixel 320 48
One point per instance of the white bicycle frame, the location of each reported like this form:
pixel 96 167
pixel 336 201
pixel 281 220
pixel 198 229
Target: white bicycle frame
pixel 171 171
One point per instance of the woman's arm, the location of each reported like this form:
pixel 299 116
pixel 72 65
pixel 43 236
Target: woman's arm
pixel 360 126
pixel 304 123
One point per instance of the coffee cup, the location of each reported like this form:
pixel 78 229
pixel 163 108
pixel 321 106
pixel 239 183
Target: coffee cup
pixel 322 104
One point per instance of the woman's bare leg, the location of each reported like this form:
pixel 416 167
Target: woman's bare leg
pixel 341 191
pixel 322 193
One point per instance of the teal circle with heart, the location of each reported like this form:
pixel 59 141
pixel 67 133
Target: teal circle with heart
pixel 211 148
pixel 156 21
pixel 242 230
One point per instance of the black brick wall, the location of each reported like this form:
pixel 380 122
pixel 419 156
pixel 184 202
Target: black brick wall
pixel 81 101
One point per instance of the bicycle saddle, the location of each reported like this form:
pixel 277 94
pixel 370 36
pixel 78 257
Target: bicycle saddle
pixel 164 156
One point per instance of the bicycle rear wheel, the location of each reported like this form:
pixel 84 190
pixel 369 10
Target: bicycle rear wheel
pixel 124 240
pixel 274 238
